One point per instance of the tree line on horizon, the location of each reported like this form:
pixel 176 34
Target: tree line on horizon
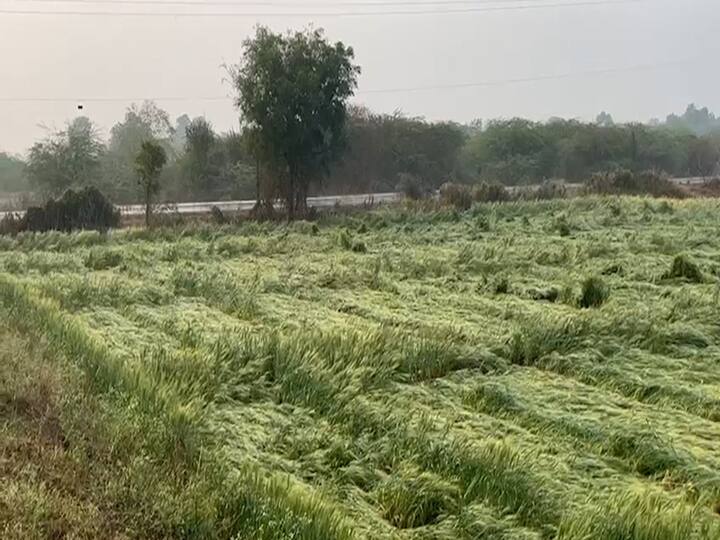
pixel 300 137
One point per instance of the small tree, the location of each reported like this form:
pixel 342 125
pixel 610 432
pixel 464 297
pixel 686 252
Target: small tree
pixel 148 164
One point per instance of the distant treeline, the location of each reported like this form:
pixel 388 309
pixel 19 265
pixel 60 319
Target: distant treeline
pixel 383 153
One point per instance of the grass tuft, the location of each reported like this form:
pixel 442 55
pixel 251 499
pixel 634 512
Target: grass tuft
pixel 594 292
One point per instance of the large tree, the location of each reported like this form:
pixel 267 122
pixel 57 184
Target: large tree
pixel 141 123
pixel 293 91
pixel 67 158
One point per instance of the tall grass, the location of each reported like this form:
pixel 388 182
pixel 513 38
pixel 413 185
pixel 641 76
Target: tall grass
pixel 643 515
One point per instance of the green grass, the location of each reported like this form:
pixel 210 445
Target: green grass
pixel 521 370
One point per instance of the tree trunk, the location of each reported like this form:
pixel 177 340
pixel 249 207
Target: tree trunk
pixel 257 181
pixel 147 207
pixel 291 199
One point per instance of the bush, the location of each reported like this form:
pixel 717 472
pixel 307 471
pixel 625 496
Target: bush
pixel 625 182
pixel 411 186
pixel 458 196
pixel 562 226
pixel 84 209
pixel 550 190
pixel 490 192
pixel 359 246
pixel 217 215
pixel 684 267
pixel 594 292
pixel 345 240
pixel 502 285
pixel 545 191
pixel 11 224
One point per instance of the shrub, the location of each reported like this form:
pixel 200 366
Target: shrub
pixel 217 215
pixel 458 196
pixel 490 192
pixel 630 183
pixel 562 226
pixel 550 190
pixel 684 267
pixel 411 186
pixel 84 209
pixel 358 246
pixel 502 285
pixel 11 224
pixel 344 239
pixel 594 292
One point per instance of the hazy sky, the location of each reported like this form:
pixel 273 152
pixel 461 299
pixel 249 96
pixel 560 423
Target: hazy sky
pixel 665 53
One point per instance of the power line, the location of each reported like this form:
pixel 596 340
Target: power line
pixel 540 78
pixel 502 82
pixel 582 3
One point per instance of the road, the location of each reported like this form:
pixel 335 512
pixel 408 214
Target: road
pixel 317 202
pixel 244 206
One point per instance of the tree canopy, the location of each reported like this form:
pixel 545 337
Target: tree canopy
pixel 67 158
pixel 292 92
pixel 12 173
pixel 148 164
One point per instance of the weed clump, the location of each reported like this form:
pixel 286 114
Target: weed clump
pixel 595 292
pixel 413 499
pixel 100 258
pixel 562 225
pixel 684 267
pixel 344 239
pixel 358 246
pixel 492 398
pixel 638 515
pixel 626 182
pixel 458 196
pixel 491 192
pixel 540 336
pixel 501 285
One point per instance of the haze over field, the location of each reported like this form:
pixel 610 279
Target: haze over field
pixel 660 52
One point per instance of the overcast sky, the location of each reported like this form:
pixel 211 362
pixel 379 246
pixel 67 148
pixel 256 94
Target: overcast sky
pixel 656 56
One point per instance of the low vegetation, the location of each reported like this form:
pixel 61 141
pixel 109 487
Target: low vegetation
pixel 464 374
pixel 83 209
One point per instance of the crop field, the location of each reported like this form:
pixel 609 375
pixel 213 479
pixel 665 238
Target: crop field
pixel 524 370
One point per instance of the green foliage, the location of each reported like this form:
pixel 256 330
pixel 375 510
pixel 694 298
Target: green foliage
pixel 538 337
pixel 12 174
pixel 84 209
pixel 261 381
pixel 414 498
pixel 502 285
pixel 411 186
pixel 684 267
pixel 490 192
pixel 102 258
pixel 148 165
pixel 67 158
pixel 634 515
pixel 292 91
pixel 358 246
pixel 456 195
pixel 395 153
pixel 594 292
pixel 626 182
